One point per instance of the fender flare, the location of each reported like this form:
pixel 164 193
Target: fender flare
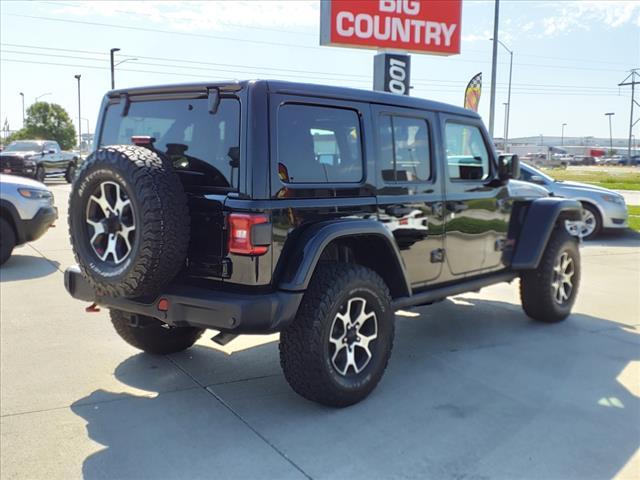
pixel 309 246
pixel 539 222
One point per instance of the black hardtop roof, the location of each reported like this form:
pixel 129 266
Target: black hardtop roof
pixel 296 88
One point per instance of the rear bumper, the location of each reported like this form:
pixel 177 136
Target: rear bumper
pixel 200 307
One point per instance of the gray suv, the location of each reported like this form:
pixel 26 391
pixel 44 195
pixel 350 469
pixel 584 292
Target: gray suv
pixel 26 212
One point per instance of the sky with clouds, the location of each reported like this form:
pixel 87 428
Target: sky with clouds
pixel 568 56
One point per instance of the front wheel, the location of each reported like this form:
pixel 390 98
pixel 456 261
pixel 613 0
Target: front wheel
pixel 591 222
pixel 153 336
pixel 549 292
pixel 338 346
pixel 7 240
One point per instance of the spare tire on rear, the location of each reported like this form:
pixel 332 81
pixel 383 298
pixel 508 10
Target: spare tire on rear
pixel 128 221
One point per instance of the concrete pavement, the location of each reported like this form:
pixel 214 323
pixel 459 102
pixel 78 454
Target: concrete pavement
pixel 473 389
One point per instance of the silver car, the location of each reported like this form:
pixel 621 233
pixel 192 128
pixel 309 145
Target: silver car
pixel 26 212
pixel 603 208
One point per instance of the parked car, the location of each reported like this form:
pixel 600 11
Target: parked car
pixel 582 161
pixel 309 210
pixel 38 159
pixel 26 212
pixel 603 208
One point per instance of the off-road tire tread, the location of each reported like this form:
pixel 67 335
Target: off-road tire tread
pixel 155 338
pixel 536 301
pixel 301 342
pixel 165 229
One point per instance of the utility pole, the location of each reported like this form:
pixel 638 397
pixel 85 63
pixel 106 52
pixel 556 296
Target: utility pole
pixel 632 79
pixel 494 58
pixel 22 95
pixel 610 114
pixel 113 80
pixel 562 138
pixel 77 77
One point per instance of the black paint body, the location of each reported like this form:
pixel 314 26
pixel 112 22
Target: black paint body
pixel 418 235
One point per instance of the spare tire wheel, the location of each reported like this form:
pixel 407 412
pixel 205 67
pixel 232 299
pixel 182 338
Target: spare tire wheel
pixel 128 221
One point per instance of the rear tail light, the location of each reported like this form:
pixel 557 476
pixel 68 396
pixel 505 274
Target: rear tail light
pixel 249 234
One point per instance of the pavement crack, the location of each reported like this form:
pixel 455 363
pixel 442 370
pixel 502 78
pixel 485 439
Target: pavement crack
pixel 239 417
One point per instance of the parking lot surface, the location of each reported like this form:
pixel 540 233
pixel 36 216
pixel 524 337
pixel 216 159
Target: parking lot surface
pixel 474 389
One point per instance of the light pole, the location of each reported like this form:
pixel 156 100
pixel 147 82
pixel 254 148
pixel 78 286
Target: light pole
pixel 562 138
pixel 610 114
pixel 40 96
pixel 22 95
pixel 77 77
pixel 508 113
pixel 113 80
pixel 494 66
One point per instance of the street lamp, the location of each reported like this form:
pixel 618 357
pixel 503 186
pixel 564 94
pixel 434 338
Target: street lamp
pixel 508 113
pixel 40 96
pixel 22 95
pixel 113 80
pixel 77 77
pixel 562 138
pixel 610 114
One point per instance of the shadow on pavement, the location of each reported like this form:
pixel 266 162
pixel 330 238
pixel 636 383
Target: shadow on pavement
pixel 473 389
pixel 26 267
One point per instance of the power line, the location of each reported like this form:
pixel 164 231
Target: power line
pixel 296 72
pixel 271 43
pixel 440 89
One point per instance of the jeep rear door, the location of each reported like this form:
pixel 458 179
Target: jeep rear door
pixel 477 208
pixel 409 195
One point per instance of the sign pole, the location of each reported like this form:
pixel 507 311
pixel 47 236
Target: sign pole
pixel 392 72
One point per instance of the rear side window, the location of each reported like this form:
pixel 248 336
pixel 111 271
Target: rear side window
pixel 404 149
pixel 318 144
pixel 467 155
pixel 205 145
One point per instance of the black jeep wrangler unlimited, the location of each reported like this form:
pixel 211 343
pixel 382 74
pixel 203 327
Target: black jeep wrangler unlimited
pixel 313 211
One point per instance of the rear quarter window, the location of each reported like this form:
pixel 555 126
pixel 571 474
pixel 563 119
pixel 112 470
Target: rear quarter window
pixel 319 144
pixel 205 145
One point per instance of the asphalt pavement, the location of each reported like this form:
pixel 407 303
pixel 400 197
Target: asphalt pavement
pixel 474 389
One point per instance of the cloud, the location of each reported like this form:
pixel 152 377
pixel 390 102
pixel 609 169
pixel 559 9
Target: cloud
pixel 204 16
pixel 583 15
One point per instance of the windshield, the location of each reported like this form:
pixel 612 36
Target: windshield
pixel 528 171
pixel 204 147
pixel 24 147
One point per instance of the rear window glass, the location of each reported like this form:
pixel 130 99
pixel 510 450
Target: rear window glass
pixel 203 144
pixel 318 145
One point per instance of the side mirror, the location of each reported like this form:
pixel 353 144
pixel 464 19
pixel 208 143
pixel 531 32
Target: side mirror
pixel 508 167
pixel 537 179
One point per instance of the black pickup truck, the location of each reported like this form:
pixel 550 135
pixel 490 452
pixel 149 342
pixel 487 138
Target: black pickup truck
pixel 38 159
pixel 314 211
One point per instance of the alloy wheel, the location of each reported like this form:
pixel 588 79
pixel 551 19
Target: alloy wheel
pixel 562 280
pixel 352 337
pixel 111 221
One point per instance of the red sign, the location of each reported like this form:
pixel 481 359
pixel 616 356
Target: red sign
pixel 422 26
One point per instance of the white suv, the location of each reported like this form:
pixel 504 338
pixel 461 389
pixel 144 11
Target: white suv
pixel 26 212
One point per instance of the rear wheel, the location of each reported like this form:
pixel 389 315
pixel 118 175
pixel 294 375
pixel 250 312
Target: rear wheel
pixel 337 348
pixel 71 172
pixel 153 336
pixel 7 240
pixel 549 292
